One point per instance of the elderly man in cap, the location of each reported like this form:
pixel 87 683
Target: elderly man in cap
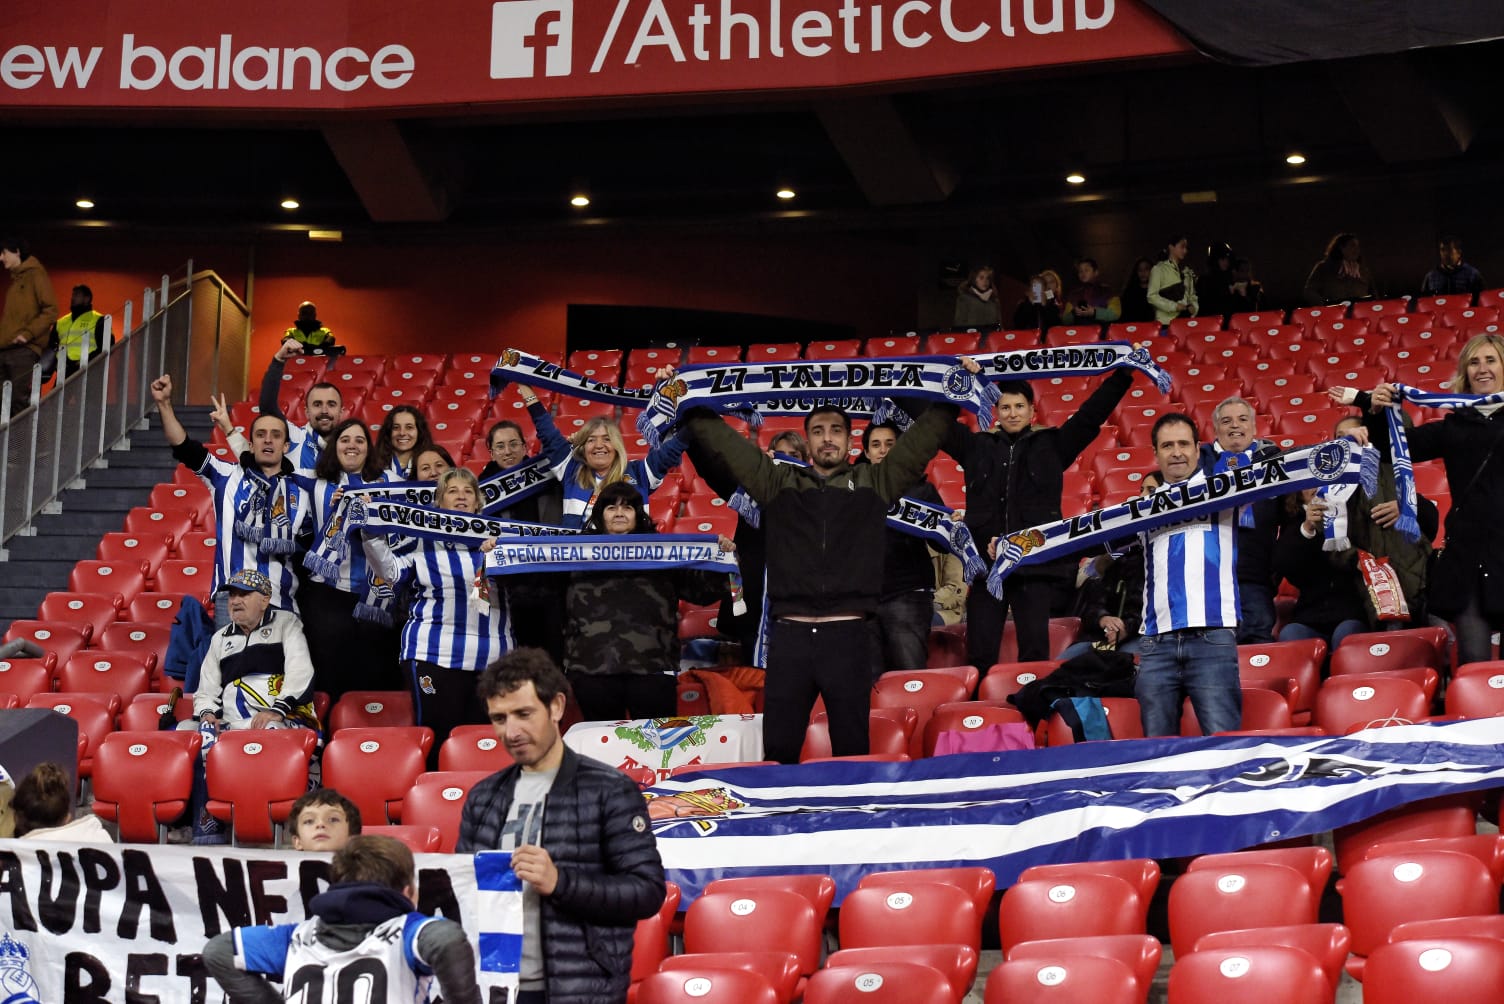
pixel 256 675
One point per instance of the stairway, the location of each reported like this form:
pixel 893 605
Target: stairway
pixel 40 564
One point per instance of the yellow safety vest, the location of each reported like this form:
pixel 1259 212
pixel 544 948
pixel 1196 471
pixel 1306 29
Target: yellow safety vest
pixel 71 332
pixel 319 337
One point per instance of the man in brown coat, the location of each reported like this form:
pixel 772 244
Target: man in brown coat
pixel 30 311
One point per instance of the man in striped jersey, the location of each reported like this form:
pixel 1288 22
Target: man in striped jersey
pixel 1189 646
pixel 323 405
pixel 258 507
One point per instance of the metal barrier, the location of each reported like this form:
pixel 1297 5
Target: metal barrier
pixel 51 443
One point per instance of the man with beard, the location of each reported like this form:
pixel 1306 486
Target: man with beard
pixel 323 405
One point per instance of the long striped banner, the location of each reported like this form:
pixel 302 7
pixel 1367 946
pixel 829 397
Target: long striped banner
pixel 1154 798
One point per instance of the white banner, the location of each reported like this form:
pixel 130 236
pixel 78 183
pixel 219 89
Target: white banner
pixel 111 924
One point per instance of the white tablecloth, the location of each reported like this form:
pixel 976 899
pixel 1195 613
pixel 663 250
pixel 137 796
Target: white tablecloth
pixel 662 744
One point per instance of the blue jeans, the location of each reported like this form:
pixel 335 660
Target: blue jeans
pixel 1255 613
pixel 1201 663
pixel 1303 632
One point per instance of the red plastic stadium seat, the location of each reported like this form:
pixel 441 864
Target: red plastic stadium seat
pixel 94 612
pixel 124 674
pixel 896 982
pixel 1486 847
pixel 193 578
pixel 1255 320
pixel 976 881
pixel 1081 905
pixel 1140 873
pixel 437 798
pixel 419 839
pixel 1308 317
pixel 893 345
pixel 95 715
pixel 1459 968
pixel 889 732
pixel 1250 974
pixel 698 622
pixel 958 963
pixel 1063 634
pixel 1313 862
pixel 372 708
pixel 59 639
pixel 142 781
pixel 143 713
pixel 375 767
pixel 175 522
pixel 957 343
pixel 650 939
pixel 154 608
pixel 965 716
pixel 772 352
pixel 473 747
pixel 21 678
pixel 194 498
pixel 1346 703
pixel 1440 304
pixel 715 354
pixel 1141 953
pixel 1123 722
pixel 1286 660
pixel 1328 944
pixel 125 579
pixel 891 913
pixel 1237 895
pixel 1444 816
pixel 922 690
pixel 254 776
pixel 708 986
pixel 1476 695
pixel 1381 893
pixel 1393 649
pixel 1262 709
pixel 1064 979
pixel 770 920
pixel 844 348
pixel 1184 329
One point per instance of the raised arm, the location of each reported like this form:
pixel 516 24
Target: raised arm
pixel 707 436
pixel 905 463
pixel 273 378
pixel 556 447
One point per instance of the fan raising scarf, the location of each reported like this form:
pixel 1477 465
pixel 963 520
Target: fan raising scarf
pixel 931 522
pixel 516 366
pixel 499 491
pixel 1338 461
pixel 264 514
pixel 1076 360
pixel 1399 445
pixel 797 386
pixel 656 552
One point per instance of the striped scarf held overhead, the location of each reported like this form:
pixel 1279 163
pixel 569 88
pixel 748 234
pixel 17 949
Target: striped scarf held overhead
pixel 1078 360
pixel 795 387
pixel 1338 461
pixel 1399 445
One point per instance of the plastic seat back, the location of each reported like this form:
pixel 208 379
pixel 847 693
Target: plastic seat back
pixel 1064 979
pixel 1383 892
pixel 879 983
pixel 892 910
pixel 1249 975
pixel 710 986
pixel 375 767
pixel 93 611
pixel 473 747
pixel 1256 894
pixel 437 798
pixel 372 709
pixel 1327 943
pixel 780 969
pixel 772 920
pixel 1085 904
pixel 1453 969
pixel 1140 873
pixel 142 781
pixel 124 674
pixel 1141 953
pixel 254 776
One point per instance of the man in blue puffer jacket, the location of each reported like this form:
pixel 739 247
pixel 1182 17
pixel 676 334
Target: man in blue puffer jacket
pixel 579 836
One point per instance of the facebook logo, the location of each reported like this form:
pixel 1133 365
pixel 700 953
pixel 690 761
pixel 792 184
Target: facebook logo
pixel 522 30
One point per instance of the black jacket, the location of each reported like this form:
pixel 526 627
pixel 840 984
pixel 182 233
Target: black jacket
pixel 1471 447
pixel 1014 482
pixel 595 828
pixel 1255 543
pixel 907 565
pixel 825 543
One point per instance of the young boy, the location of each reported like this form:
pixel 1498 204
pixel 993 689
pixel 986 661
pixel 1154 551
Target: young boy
pixel 364 931
pixel 323 820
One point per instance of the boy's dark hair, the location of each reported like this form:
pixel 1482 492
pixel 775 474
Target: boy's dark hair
pixel 374 858
pixel 326 796
pixel 519 666
pixel 43 798
pixel 826 409
pixel 1020 387
pixel 1173 418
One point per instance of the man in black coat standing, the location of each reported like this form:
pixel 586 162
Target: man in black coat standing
pixel 579 836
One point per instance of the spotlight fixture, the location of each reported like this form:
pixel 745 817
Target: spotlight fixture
pixel 580 201
pixel 290 204
pixel 1075 178
pixel 785 193
pixel 1295 158
pixel 84 203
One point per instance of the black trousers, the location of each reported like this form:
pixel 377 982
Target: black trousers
pixel 444 698
pixel 606 697
pixel 348 653
pixel 833 660
pixel 1030 599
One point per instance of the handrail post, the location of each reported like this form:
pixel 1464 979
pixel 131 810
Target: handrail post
pixel 5 427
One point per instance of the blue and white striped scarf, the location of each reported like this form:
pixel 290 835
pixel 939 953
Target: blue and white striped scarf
pixel 1337 461
pixel 637 552
pixel 795 387
pixel 1077 360
pixel 499 491
pixel 1399 446
pixel 517 366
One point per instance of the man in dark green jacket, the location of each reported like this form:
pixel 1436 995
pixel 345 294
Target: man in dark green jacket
pixel 825 529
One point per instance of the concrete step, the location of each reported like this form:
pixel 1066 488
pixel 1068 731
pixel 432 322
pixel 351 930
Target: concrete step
pixel 51 547
pixel 103 500
pixel 45 576
pixel 125 477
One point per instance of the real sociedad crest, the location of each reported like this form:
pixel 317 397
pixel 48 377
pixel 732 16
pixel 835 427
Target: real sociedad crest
pixel 15 972
pixel 1328 461
pixel 957 384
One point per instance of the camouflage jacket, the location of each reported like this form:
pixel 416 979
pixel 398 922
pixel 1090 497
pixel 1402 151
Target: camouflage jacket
pixel 628 622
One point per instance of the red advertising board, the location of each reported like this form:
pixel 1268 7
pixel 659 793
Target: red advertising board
pixel 372 54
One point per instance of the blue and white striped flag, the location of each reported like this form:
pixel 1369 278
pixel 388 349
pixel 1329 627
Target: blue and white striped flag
pixel 1154 798
pixel 497 922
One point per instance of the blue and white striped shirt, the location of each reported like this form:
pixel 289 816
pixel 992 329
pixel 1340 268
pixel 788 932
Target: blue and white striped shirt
pixel 579 500
pixel 354 572
pixel 303 447
pixel 1191 574
pixel 443 627
pixel 233 487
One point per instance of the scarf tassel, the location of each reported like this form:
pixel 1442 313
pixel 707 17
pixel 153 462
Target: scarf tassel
pixel 372 614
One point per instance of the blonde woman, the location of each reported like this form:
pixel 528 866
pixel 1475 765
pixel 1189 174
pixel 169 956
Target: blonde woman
pixel 596 457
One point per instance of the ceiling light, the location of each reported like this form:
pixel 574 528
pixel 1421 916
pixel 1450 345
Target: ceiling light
pixel 326 235
pixel 1295 158
pixel 580 201
pixel 290 203
pixel 1075 178
pixel 84 203
pixel 785 193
